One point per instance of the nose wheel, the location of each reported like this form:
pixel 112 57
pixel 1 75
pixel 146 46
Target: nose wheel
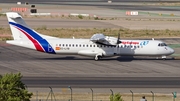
pixel 164 57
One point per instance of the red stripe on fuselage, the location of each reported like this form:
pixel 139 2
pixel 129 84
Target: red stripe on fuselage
pixel 35 42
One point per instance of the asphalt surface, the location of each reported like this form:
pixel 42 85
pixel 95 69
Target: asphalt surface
pixel 72 23
pixel 61 23
pixel 116 4
pixel 43 70
pixel 104 82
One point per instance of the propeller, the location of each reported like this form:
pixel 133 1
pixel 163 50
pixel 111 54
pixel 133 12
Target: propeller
pixel 118 42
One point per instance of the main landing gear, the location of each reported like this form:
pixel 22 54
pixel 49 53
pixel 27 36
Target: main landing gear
pixel 97 57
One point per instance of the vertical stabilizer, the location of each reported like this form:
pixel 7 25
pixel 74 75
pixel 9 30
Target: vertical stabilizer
pixel 25 36
pixel 15 20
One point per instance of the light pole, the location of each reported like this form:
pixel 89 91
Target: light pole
pixel 92 93
pixel 152 96
pixel 52 94
pixel 36 95
pixel 112 94
pixel 71 91
pixel 132 95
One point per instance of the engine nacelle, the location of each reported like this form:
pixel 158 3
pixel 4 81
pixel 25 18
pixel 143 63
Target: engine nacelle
pixel 112 40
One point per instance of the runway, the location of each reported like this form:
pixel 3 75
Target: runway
pixel 61 23
pixel 72 23
pixel 116 4
pixel 103 82
pixel 42 70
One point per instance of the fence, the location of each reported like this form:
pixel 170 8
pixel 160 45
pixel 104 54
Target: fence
pixel 89 94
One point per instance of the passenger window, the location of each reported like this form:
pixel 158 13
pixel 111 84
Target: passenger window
pixel 59 44
pixel 83 45
pixel 69 45
pixel 86 45
pixel 76 45
pixel 73 45
pixel 97 45
pixel 63 45
pixel 79 45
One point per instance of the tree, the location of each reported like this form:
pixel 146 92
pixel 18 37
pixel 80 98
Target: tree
pixel 116 97
pixel 13 89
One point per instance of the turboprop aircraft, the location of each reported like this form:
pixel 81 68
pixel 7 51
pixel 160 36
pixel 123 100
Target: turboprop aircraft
pixel 98 46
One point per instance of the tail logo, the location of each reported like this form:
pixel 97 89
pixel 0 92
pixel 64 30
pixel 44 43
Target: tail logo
pixel 40 43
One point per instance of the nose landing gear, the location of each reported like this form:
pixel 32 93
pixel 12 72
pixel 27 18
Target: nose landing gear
pixel 163 57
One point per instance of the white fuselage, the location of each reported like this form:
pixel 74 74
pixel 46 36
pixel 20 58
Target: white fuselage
pixel 88 48
pixel 127 47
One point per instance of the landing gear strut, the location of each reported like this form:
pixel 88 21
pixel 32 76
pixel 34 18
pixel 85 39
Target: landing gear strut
pixel 97 57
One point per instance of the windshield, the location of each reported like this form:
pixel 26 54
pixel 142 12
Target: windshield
pixel 162 44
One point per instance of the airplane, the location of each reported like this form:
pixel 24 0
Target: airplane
pixel 98 46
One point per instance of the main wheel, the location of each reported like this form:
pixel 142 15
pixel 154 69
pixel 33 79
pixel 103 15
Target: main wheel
pixel 97 57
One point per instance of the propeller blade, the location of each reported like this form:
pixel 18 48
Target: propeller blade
pixel 118 42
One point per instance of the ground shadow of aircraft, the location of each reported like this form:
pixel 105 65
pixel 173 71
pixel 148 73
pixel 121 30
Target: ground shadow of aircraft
pixel 119 58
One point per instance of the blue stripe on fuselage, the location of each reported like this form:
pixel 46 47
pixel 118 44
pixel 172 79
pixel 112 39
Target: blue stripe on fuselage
pixel 47 47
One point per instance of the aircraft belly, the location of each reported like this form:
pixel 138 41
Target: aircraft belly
pixel 145 51
pixel 66 52
pixel 137 51
pixel 126 51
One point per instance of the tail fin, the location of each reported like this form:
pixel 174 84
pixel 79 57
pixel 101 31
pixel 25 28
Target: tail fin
pixel 25 36
pixel 15 21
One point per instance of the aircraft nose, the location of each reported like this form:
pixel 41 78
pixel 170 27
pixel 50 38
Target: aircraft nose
pixel 172 51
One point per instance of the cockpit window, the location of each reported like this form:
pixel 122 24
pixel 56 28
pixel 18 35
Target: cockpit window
pixel 162 44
